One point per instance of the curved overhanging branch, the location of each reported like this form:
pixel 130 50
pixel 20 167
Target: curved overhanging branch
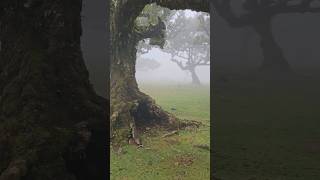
pixel 131 109
pixel 259 16
pixel 257 10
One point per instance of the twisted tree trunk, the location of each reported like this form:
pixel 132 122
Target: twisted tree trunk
pixel 194 76
pixel 52 124
pixel 132 110
pixel 273 58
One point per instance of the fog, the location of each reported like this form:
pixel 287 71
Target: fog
pixel 296 34
pixel 169 72
pixel 186 49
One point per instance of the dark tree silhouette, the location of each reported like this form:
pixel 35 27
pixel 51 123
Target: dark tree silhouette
pixel 52 124
pixel 258 15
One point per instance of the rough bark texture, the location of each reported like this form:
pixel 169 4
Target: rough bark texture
pixel 52 124
pixel 131 110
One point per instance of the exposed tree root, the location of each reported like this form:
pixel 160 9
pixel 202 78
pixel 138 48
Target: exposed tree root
pixel 140 116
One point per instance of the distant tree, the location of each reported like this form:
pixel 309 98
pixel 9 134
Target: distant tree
pixel 258 14
pixel 146 64
pixel 188 41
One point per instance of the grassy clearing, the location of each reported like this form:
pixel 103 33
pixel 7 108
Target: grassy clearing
pixel 173 157
pixel 267 130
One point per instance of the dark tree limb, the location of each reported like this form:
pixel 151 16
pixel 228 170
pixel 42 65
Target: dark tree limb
pixel 259 16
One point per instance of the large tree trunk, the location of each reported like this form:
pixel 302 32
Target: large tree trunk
pixel 132 110
pixel 194 76
pixel 273 59
pixel 52 124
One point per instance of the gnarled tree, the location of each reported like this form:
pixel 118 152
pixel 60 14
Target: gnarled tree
pixel 258 14
pixel 52 124
pixel 130 108
pixel 188 42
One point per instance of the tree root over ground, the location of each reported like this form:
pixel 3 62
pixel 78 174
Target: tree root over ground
pixel 140 116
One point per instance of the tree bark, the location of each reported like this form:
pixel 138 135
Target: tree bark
pixel 52 124
pixel 273 58
pixel 132 110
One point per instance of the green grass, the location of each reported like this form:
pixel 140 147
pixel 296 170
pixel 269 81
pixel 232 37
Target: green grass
pixel 267 130
pixel 173 157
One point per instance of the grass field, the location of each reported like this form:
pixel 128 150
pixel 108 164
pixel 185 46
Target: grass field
pixel 176 157
pixel 267 130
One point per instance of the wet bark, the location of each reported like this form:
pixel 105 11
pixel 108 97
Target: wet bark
pixel 52 124
pixel 273 58
pixel 132 110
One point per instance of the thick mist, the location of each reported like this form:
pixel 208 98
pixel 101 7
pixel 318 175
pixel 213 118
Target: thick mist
pixel 266 89
pixel 169 72
pixel 185 56
pixel 296 34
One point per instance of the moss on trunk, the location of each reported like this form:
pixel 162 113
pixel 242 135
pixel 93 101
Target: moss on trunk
pixel 52 124
pixel 132 110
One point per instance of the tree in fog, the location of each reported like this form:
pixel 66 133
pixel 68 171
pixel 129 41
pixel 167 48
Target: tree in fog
pixel 146 64
pixel 132 110
pixel 187 38
pixel 259 14
pixel 188 41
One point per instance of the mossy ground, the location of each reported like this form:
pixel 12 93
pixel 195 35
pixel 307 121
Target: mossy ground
pixel 174 157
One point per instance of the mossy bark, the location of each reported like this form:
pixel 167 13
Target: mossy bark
pixel 132 110
pixel 52 124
